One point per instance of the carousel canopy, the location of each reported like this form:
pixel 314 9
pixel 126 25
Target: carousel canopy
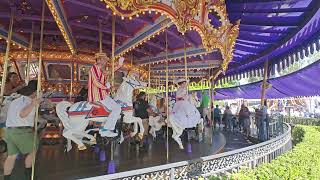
pixel 238 35
pixel 269 29
pixel 299 83
pixel 146 32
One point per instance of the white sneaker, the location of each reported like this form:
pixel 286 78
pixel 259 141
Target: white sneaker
pixel 107 133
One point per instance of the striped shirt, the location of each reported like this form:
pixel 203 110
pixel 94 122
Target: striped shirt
pixel 97 89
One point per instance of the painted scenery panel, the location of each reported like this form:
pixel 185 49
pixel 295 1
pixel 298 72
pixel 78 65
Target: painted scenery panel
pixel 59 71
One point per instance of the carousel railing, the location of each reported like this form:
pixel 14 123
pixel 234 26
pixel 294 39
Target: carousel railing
pixel 217 164
pixel 302 121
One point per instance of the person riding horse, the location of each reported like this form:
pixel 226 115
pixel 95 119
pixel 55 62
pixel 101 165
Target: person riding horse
pixel 99 89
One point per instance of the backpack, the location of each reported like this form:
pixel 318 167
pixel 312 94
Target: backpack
pixel 5 106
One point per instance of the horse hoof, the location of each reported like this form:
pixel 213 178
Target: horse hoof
pixel 140 136
pixel 132 134
pixel 81 148
pixel 93 141
pixel 181 147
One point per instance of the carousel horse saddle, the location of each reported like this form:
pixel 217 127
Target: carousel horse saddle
pixel 124 106
pixel 89 109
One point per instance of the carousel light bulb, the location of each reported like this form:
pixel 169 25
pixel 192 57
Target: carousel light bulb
pixel 130 18
pixel 149 11
pixel 137 15
pixel 122 17
pixel 107 6
pixel 114 13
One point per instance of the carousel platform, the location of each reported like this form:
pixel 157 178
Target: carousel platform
pixel 53 163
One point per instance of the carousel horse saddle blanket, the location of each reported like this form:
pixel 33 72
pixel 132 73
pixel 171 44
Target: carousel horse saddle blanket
pixel 89 109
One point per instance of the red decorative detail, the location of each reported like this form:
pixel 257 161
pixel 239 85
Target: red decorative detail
pixel 98 111
pixel 127 109
pixel 78 113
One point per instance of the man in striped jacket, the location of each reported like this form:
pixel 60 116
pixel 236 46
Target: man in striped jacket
pixel 99 89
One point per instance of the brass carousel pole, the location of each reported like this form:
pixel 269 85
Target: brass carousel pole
pixel 6 57
pixel 264 83
pixel 211 99
pixel 71 80
pixel 113 46
pixel 185 61
pixel 38 93
pixel 100 36
pixel 149 82
pixel 29 55
pixel 167 94
pixel 111 163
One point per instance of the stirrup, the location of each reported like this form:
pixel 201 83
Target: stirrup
pixel 81 148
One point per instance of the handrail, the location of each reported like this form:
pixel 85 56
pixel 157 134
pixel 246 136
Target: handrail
pixel 302 120
pixel 213 164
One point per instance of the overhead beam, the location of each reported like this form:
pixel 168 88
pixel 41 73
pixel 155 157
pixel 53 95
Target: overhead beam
pixel 60 17
pixel 191 66
pixel 16 39
pixel 47 32
pixel 173 55
pixel 104 10
pixel 94 39
pixel 259 10
pixel 271 31
pixel 26 17
pixel 96 28
pixel 188 40
pixel 270 21
pixel 143 35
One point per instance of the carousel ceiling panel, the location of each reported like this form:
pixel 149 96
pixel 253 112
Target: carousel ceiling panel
pixel 77 22
pixel 267 26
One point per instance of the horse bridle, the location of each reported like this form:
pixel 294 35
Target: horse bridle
pixel 133 85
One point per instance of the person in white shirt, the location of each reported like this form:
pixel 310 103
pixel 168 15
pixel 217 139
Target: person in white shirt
pixel 19 134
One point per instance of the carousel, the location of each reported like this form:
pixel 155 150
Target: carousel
pixel 158 44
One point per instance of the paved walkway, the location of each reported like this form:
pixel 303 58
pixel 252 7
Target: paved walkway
pixel 53 163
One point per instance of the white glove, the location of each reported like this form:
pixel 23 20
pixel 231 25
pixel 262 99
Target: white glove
pixel 108 85
pixel 121 59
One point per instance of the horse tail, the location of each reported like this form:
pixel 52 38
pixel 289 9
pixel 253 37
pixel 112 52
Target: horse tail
pixel 61 110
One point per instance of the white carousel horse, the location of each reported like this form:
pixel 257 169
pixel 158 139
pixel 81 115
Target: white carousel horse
pixel 75 122
pixel 177 129
pixel 156 124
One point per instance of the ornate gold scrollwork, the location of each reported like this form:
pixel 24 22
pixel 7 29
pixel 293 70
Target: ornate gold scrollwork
pixel 229 43
pixel 186 11
pixel 128 8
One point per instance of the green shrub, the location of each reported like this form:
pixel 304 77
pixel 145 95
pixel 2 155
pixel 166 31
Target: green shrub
pixel 297 135
pixel 302 162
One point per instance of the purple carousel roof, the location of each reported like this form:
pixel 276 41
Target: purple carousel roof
pixel 267 30
pixel 300 83
pixel 270 28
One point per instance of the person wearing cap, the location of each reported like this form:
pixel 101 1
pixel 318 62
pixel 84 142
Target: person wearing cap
pixel 99 89
pixel 19 134
pixel 185 114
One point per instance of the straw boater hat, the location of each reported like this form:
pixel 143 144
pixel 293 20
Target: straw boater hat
pixel 100 55
pixel 180 81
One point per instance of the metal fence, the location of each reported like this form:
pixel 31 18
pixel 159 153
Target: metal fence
pixel 216 164
pixel 302 120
